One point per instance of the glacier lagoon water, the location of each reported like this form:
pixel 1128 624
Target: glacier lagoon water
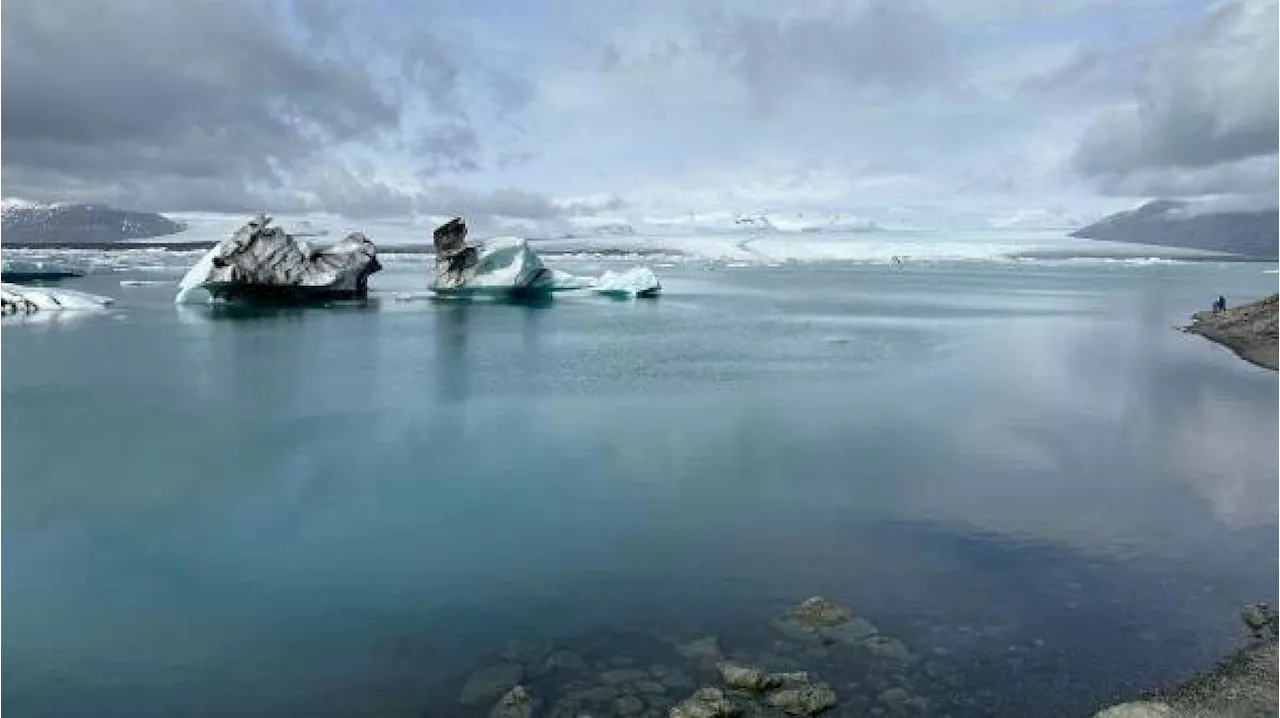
pixel 1018 469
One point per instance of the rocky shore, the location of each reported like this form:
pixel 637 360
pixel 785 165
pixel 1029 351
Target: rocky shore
pixel 1242 686
pixel 1249 330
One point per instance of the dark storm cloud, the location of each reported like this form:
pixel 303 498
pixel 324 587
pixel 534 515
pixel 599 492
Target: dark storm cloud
pixel 885 44
pixel 184 105
pixel 1204 115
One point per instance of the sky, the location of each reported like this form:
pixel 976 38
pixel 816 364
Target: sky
pixel 915 113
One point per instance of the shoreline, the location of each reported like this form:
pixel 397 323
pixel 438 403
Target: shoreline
pixel 1249 330
pixel 1243 685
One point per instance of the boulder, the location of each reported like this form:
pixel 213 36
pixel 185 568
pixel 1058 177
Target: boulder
pixel 264 262
pixel 804 699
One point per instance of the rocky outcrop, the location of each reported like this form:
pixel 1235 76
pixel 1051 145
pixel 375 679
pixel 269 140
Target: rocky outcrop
pixel 17 300
pixel 32 223
pixel 1248 330
pixel 264 262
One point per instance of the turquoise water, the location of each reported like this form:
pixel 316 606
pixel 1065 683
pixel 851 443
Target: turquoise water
pixel 1019 470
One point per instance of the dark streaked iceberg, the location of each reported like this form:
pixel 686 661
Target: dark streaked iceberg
pixel 260 262
pixel 20 300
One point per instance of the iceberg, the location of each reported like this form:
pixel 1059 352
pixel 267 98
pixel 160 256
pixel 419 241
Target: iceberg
pixel 261 262
pixel 508 266
pixel 21 300
pixel 634 282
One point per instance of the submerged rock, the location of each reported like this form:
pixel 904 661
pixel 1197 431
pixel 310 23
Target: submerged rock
pixel 794 693
pixel 818 612
pixel 819 619
pixel 564 660
pixel 752 680
pixel 489 683
pixel 698 648
pixel 527 651
pixel 1261 620
pixel 705 703
pixel 802 700
pixel 19 300
pixel 515 703
pixel 262 262
pixel 628 706
pixel 622 675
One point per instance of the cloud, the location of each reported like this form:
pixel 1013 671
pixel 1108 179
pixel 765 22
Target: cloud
pixel 959 112
pixel 212 105
pixel 1203 118
pixel 886 45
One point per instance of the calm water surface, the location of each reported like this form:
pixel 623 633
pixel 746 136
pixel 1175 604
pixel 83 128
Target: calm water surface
pixel 1018 470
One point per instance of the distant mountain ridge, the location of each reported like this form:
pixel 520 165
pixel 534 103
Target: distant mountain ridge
pixel 53 223
pixel 1170 223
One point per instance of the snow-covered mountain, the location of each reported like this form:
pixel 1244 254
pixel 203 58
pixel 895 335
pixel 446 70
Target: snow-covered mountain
pixel 25 221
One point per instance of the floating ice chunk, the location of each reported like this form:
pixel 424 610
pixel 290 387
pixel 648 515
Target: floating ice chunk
pixel 22 271
pixel 634 282
pixel 505 263
pixel 261 262
pixel 16 299
pixel 507 266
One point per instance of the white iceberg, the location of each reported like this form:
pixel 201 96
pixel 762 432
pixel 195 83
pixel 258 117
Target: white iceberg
pixel 634 282
pixel 261 262
pixel 508 266
pixel 20 300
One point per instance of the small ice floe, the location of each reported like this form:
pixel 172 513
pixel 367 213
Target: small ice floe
pixel 16 300
pixel 37 271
